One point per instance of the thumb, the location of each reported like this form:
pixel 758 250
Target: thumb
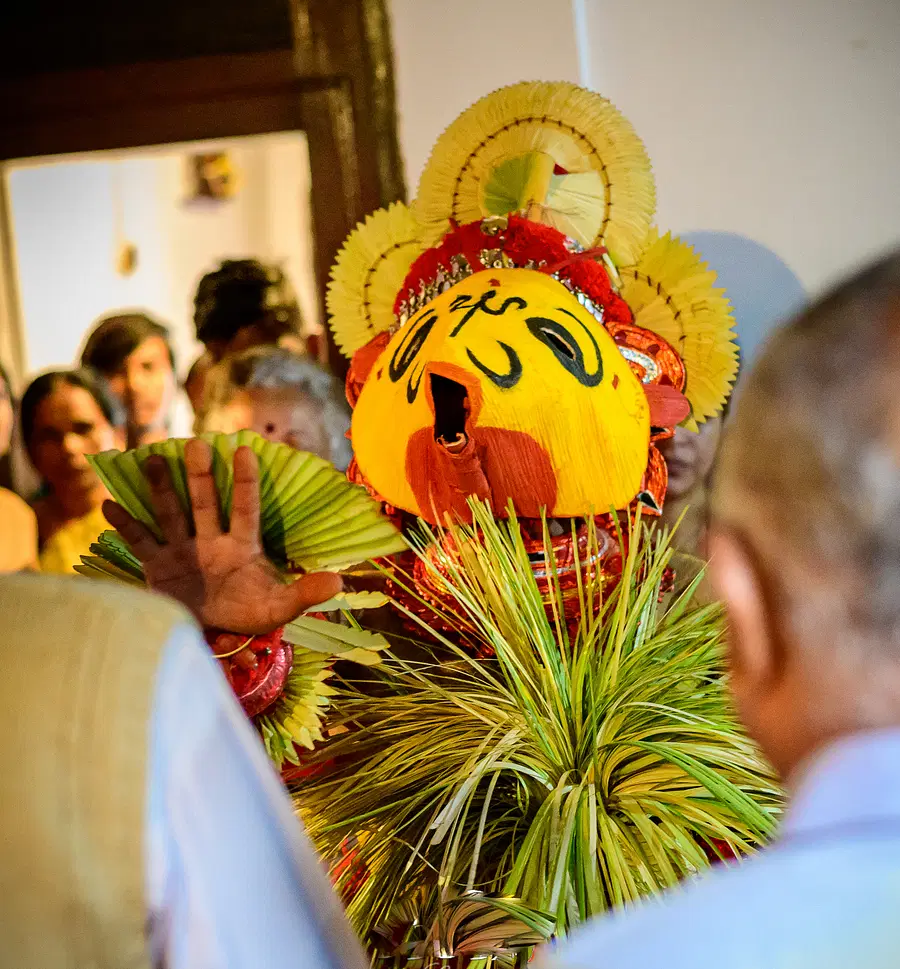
pixel 309 590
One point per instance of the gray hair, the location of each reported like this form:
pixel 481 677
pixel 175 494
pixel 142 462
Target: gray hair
pixel 275 368
pixel 810 466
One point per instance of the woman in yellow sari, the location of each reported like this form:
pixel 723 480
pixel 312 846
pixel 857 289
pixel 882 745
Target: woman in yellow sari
pixel 67 415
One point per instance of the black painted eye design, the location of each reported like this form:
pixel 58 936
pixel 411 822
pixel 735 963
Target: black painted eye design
pixel 556 336
pixel 483 305
pixel 504 380
pixel 405 356
pixel 565 347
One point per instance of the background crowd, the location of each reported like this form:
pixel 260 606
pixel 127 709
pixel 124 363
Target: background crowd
pixel 124 392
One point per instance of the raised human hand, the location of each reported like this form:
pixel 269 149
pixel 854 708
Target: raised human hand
pixel 222 577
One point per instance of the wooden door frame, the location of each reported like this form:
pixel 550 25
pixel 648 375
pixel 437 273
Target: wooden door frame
pixel 336 85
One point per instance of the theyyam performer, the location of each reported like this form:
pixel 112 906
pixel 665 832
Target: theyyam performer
pixel 543 732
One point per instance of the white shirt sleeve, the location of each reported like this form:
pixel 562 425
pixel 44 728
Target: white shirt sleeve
pixel 233 882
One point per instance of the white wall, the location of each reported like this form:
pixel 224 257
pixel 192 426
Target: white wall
pixel 775 120
pixel 779 121
pixel 66 220
pixel 447 55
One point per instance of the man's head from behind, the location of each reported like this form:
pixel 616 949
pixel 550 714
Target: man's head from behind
pixel 806 543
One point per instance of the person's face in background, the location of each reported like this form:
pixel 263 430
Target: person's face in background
pixel 7 416
pixel 145 383
pixel 68 426
pixel 690 456
pixel 286 416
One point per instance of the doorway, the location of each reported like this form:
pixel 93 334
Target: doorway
pixel 134 230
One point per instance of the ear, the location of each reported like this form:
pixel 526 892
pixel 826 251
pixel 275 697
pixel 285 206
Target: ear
pixel 753 649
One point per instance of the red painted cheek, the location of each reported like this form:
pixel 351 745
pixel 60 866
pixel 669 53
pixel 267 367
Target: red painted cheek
pixel 497 465
pixel 517 467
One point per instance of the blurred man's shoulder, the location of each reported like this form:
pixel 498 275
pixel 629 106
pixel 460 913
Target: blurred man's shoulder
pixel 812 906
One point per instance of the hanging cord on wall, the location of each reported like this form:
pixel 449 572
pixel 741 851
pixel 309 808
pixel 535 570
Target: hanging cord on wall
pixel 125 252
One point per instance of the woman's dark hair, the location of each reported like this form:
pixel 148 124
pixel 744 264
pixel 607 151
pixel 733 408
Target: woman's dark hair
pixel 7 383
pixel 114 338
pixel 43 386
pixel 240 293
pixel 6 477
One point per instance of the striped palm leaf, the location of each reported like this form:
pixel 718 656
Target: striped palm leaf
pixel 575 770
pixel 311 518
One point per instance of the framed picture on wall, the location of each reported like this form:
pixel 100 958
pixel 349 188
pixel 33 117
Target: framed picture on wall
pixel 212 177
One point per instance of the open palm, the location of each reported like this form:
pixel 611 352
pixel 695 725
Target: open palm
pixel 222 577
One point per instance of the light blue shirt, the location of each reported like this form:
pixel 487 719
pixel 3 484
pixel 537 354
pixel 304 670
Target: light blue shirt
pixel 826 895
pixel 232 882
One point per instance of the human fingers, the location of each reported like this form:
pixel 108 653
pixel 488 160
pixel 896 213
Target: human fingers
pixel 228 644
pixel 235 647
pixel 169 514
pixel 309 590
pixel 198 461
pixel 140 541
pixel 246 659
pixel 245 497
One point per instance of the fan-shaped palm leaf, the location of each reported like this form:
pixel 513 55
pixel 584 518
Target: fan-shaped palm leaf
pixel 311 517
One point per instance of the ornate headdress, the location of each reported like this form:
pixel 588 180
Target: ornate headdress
pixel 522 332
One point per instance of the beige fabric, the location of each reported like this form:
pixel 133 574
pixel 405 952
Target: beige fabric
pixel 78 662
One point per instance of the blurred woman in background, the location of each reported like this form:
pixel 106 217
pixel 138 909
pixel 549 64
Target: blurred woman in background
pixel 18 534
pixel 282 396
pixel 691 461
pixel 133 353
pixel 67 415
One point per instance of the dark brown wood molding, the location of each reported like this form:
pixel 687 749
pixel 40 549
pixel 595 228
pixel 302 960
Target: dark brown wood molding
pixel 336 85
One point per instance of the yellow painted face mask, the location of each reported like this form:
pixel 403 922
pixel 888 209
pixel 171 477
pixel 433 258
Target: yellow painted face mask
pixel 505 387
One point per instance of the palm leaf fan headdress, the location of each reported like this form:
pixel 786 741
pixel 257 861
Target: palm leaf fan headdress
pixel 561 154
pixel 368 273
pixel 672 292
pixel 311 518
